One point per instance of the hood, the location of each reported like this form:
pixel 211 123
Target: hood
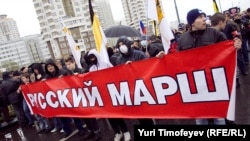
pixel 37 66
pixel 6 75
pixel 127 42
pixel 50 62
pixel 94 52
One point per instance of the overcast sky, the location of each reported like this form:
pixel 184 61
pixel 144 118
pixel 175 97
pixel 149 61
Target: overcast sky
pixel 23 12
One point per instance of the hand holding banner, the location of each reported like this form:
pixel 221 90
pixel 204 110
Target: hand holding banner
pixel 180 85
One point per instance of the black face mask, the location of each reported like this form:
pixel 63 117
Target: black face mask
pixel 92 59
pixel 93 62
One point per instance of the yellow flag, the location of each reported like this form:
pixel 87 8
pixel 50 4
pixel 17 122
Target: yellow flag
pixel 156 29
pixel 100 38
pixel 156 13
pixel 216 9
pixel 159 11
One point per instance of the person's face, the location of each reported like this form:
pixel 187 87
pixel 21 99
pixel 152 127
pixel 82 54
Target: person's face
pixel 136 44
pixel 121 43
pixel 25 79
pixel 25 70
pixel 248 13
pixel 123 48
pixel 59 65
pixel 222 25
pixel 115 50
pixel 70 65
pixel 50 68
pixel 199 23
pixel 93 60
pixel 36 71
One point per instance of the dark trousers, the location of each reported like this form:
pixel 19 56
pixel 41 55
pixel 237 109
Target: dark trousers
pixel 18 107
pixel 245 50
pixel 92 124
pixel 5 112
pixel 27 113
pixel 146 121
pixel 240 62
pixel 4 107
pixel 66 124
pixel 118 125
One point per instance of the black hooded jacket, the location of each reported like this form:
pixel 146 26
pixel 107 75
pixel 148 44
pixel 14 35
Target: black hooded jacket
pixel 133 55
pixel 9 88
pixel 155 47
pixel 39 67
pixel 57 71
pixel 200 38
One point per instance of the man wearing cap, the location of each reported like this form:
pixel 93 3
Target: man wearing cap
pixel 200 35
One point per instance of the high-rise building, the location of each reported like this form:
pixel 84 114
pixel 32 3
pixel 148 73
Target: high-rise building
pixel 8 29
pixel 37 49
pixel 106 19
pixel 105 14
pixel 14 54
pixel 75 14
pixel 22 52
pixel 15 51
pixel 136 10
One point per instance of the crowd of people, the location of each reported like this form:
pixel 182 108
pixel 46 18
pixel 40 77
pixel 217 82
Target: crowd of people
pixel 195 33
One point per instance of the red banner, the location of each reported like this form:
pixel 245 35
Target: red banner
pixel 190 84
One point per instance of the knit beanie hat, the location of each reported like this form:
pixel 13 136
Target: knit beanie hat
pixel 193 14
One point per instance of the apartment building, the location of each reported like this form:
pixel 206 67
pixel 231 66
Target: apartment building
pixel 136 10
pixel 16 51
pixel 75 15
pixel 8 29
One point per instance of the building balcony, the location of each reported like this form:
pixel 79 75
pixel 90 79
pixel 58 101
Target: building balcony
pixel 38 7
pixel 40 14
pixel 46 5
pixel 35 1
pixel 49 11
pixel 52 23
pixel 54 30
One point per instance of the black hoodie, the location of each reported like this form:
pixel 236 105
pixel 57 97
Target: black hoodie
pixel 57 71
pixel 9 88
pixel 133 55
pixel 39 67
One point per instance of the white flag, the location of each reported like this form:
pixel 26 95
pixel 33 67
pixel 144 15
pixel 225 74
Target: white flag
pixel 75 50
pixel 155 12
pixel 152 12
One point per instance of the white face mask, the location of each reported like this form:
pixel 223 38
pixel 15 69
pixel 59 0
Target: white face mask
pixel 124 49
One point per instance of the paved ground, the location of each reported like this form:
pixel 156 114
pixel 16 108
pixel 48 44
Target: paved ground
pixel 242 117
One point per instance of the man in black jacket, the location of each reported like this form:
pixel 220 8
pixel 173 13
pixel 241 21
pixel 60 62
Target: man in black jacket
pixel 4 103
pixel 200 35
pixel 155 47
pixel 10 89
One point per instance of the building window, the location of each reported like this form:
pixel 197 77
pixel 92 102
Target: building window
pixel 64 45
pixel 76 3
pixel 61 13
pixel 59 6
pixel 61 39
pixel 65 51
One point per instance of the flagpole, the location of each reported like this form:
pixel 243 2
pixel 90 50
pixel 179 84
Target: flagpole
pixel 147 25
pixel 220 7
pixel 177 13
pixel 147 22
